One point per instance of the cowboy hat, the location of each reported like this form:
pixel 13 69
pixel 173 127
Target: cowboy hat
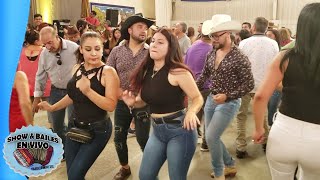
pixel 132 20
pixel 206 27
pixel 223 22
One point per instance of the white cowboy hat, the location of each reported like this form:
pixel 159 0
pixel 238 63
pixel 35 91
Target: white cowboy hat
pixel 206 27
pixel 223 22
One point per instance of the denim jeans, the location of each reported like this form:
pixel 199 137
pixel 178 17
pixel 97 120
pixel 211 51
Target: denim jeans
pixel 57 117
pixel 217 119
pixel 122 120
pixel 273 106
pixel 80 157
pixel 168 142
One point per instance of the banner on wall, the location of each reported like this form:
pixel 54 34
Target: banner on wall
pixel 124 11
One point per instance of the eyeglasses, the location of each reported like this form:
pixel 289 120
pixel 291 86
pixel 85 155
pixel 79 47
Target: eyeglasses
pixel 59 62
pixel 216 37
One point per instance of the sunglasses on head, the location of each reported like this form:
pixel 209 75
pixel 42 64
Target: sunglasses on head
pixel 59 62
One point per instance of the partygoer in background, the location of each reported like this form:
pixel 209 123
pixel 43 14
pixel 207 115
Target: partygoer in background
pixel 29 61
pixel 56 62
pixel 297 123
pixel 93 90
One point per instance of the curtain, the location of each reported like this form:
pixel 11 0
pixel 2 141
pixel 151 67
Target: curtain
pixel 85 8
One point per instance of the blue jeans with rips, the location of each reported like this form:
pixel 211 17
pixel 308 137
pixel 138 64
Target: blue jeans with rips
pixel 217 119
pixel 168 142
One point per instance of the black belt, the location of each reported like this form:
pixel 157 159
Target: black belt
pixel 81 124
pixel 170 118
pixel 53 87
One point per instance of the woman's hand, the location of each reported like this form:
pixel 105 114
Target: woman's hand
pixel 191 121
pixel 258 136
pixel 44 105
pixel 128 98
pixel 83 84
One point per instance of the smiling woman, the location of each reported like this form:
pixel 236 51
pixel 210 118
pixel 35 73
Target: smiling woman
pixel 93 90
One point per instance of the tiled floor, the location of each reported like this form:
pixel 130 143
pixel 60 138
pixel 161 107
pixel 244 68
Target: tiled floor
pixel 107 165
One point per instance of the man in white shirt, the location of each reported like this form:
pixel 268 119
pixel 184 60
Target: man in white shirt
pixel 260 50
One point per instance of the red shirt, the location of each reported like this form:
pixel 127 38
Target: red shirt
pixel 93 21
pixel 30 68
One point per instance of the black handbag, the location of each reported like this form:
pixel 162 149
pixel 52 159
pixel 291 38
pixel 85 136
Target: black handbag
pixel 142 114
pixel 80 135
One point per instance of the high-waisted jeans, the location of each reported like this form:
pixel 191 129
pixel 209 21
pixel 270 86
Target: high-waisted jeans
pixel 80 157
pixel 168 142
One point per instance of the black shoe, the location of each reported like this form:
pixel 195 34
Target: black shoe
pixel 241 154
pixel 264 147
pixel 204 147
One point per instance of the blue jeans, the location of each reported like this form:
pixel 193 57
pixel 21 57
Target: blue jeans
pixel 217 119
pixel 80 157
pixel 273 106
pixel 57 117
pixel 172 142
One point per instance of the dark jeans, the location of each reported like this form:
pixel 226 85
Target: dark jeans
pixel 273 106
pixel 57 117
pixel 122 120
pixel 80 157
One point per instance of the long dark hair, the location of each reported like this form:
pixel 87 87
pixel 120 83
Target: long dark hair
pixel 173 60
pixel 31 37
pixel 86 35
pixel 307 43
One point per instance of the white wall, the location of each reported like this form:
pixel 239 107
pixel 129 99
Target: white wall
pixel 141 6
pixel 241 10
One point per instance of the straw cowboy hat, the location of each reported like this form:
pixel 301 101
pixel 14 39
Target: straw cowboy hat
pixel 223 22
pixel 206 27
pixel 132 20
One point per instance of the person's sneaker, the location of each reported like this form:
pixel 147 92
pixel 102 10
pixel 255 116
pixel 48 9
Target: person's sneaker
pixel 241 154
pixel 230 171
pixel 131 132
pixel 123 174
pixel 204 147
pixel 264 147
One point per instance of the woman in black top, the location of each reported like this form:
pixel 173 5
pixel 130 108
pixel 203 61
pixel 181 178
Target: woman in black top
pixel 93 90
pixel 163 80
pixel 294 137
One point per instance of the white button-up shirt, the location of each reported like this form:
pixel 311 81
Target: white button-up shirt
pixel 260 50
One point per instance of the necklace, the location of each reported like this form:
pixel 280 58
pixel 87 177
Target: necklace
pixel 154 72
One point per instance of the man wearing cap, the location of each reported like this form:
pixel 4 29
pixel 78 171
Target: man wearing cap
pixel 125 58
pixel 229 72
pixel 194 59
